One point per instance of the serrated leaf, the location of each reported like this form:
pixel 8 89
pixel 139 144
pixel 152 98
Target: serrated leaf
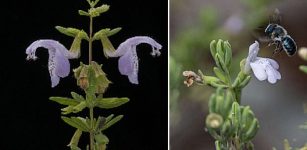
pixel 77 96
pixel 108 103
pixel 77 122
pixel 112 122
pixel 83 13
pixel 65 101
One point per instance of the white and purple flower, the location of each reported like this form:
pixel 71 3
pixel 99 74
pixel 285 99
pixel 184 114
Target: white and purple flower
pixel 58 63
pixel 128 63
pixel 263 68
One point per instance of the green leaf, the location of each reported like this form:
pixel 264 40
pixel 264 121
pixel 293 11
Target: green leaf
pixel 100 123
pixel 219 73
pixel 80 107
pixel 103 8
pixel 108 103
pixel 112 122
pixel 219 49
pixel 235 116
pixel 65 101
pixel 73 32
pixel 83 13
pixel 67 110
pixel 217 145
pixel 77 96
pixel 106 32
pixel 77 122
pixel 75 140
pixel 109 117
pixel 227 104
pixel 251 132
pixel 213 48
pixel 228 53
pixel 212 103
pixel 245 82
pixel 303 68
pixel 222 63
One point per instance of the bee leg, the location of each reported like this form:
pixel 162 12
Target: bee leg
pixel 278 48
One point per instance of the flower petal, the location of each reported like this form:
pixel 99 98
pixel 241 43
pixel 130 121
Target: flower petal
pixel 58 63
pixel 128 62
pixel 272 78
pixel 129 65
pixel 259 70
pixel 252 54
pixel 273 63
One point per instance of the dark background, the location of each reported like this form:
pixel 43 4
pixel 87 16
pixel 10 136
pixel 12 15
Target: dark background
pixel 31 121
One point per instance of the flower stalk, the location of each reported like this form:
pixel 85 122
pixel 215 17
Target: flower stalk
pixel 91 78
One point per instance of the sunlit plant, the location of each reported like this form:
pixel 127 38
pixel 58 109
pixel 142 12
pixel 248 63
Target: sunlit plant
pixel 90 77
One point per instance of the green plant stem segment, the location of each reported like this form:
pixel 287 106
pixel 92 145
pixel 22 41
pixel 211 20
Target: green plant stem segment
pixel 92 143
pixel 90 49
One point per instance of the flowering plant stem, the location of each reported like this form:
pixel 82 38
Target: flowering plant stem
pixel 232 125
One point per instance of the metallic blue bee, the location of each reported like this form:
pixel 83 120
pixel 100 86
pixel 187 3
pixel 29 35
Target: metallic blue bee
pixel 279 37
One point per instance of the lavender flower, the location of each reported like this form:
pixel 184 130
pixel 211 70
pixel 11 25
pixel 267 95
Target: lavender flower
pixel 58 63
pixel 263 68
pixel 128 63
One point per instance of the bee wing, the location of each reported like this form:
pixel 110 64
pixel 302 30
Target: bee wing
pixel 276 17
pixel 259 35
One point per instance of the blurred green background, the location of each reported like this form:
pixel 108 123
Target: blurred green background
pixel 279 107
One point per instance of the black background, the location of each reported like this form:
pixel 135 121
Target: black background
pixel 30 121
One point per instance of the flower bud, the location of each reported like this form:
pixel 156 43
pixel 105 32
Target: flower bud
pixel 214 120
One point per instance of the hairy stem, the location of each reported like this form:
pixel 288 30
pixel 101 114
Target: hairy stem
pixel 90 53
pixel 92 144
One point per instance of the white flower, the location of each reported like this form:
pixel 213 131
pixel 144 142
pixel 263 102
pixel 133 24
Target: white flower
pixel 263 68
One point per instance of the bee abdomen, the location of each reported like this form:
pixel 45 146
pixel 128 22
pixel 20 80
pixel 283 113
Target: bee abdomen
pixel 289 45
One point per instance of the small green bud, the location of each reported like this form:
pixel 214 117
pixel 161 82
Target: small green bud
pixel 95 12
pixel 214 121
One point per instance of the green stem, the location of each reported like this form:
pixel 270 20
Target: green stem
pixel 92 144
pixel 90 53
